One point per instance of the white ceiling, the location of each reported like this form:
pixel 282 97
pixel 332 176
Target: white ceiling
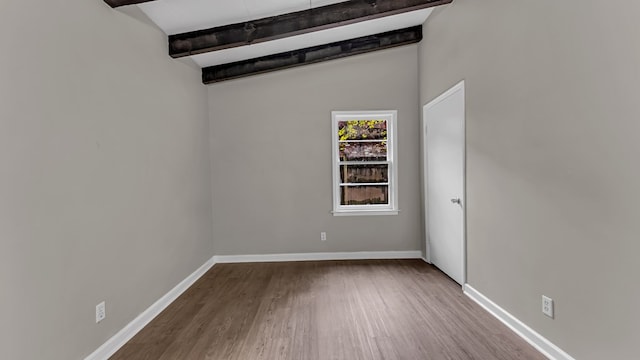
pixel 177 16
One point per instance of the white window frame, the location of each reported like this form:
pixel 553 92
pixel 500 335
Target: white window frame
pixel 392 160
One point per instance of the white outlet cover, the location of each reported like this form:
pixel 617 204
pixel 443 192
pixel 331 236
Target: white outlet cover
pixel 547 306
pixel 100 312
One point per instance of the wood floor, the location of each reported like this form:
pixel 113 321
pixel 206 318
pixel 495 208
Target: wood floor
pixel 343 310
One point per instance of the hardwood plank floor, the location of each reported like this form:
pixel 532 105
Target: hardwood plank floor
pixel 355 310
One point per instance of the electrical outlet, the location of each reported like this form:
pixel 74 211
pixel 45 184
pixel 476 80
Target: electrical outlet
pixel 100 312
pixel 547 306
pixel 323 236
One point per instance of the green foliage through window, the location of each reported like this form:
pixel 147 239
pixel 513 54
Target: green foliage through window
pixel 362 130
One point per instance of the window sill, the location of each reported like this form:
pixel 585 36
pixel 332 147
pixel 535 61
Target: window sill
pixel 364 212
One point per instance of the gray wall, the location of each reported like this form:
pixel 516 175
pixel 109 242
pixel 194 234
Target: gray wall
pixel 104 174
pixel 552 133
pixel 271 156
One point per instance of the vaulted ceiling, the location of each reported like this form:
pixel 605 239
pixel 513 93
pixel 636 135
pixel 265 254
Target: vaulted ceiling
pixel 235 38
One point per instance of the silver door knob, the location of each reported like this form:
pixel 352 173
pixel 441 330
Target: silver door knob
pixel 456 201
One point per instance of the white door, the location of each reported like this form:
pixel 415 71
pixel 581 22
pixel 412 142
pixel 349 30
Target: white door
pixel 444 144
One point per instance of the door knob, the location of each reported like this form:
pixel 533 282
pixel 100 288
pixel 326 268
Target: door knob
pixel 456 201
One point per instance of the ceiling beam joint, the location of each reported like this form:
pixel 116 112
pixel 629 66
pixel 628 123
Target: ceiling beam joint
pixel 118 3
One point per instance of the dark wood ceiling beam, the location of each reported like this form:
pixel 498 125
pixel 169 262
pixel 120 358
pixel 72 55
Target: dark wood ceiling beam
pixel 296 23
pixel 116 3
pixel 311 55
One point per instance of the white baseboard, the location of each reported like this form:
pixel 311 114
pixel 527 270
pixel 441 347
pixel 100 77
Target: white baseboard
pixel 118 340
pixel 546 347
pixel 359 255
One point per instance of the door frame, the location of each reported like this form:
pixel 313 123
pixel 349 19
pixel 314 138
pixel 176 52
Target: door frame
pixel 456 88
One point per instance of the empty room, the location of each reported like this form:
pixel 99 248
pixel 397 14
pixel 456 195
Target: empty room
pixel 319 179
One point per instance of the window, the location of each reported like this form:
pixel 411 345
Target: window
pixel 364 163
